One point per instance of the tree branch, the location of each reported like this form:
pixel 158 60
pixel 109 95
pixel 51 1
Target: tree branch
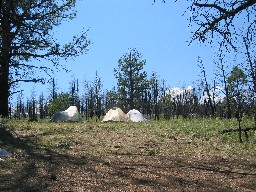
pixel 34 80
pixel 211 6
pixel 226 14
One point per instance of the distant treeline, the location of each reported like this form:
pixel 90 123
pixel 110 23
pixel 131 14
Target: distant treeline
pixel 156 101
pixel 232 96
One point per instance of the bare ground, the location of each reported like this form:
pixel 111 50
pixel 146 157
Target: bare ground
pixel 103 158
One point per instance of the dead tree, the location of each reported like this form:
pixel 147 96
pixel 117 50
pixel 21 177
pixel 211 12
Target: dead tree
pixel 209 100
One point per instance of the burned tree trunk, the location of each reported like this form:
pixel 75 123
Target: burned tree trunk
pixel 5 57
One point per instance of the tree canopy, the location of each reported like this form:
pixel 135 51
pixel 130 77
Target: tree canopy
pixel 131 78
pixel 26 27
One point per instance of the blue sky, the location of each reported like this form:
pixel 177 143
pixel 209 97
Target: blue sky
pixel 158 31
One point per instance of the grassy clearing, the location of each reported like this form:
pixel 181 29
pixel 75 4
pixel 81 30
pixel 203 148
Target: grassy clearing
pixel 186 136
pixel 46 154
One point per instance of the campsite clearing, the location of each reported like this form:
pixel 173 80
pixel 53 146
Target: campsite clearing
pixel 176 155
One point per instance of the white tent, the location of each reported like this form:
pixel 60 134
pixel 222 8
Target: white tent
pixel 71 114
pixel 135 116
pixel 115 114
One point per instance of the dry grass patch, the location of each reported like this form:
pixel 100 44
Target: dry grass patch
pixel 176 155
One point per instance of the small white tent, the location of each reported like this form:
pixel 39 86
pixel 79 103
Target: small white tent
pixel 71 114
pixel 135 116
pixel 115 114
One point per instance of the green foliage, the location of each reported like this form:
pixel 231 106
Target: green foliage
pixel 64 144
pixel 152 152
pixel 111 99
pixel 237 80
pixel 26 34
pixel 39 43
pixel 131 78
pixel 60 103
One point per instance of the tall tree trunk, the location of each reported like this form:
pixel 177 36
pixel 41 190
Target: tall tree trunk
pixel 4 93
pixel 5 58
pixel 239 119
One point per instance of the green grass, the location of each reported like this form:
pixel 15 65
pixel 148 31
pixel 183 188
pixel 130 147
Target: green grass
pixel 46 153
pixel 190 134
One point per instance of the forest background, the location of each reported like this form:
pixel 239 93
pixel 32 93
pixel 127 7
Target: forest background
pixel 216 25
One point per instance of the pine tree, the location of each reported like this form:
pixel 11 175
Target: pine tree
pixel 26 35
pixel 131 79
